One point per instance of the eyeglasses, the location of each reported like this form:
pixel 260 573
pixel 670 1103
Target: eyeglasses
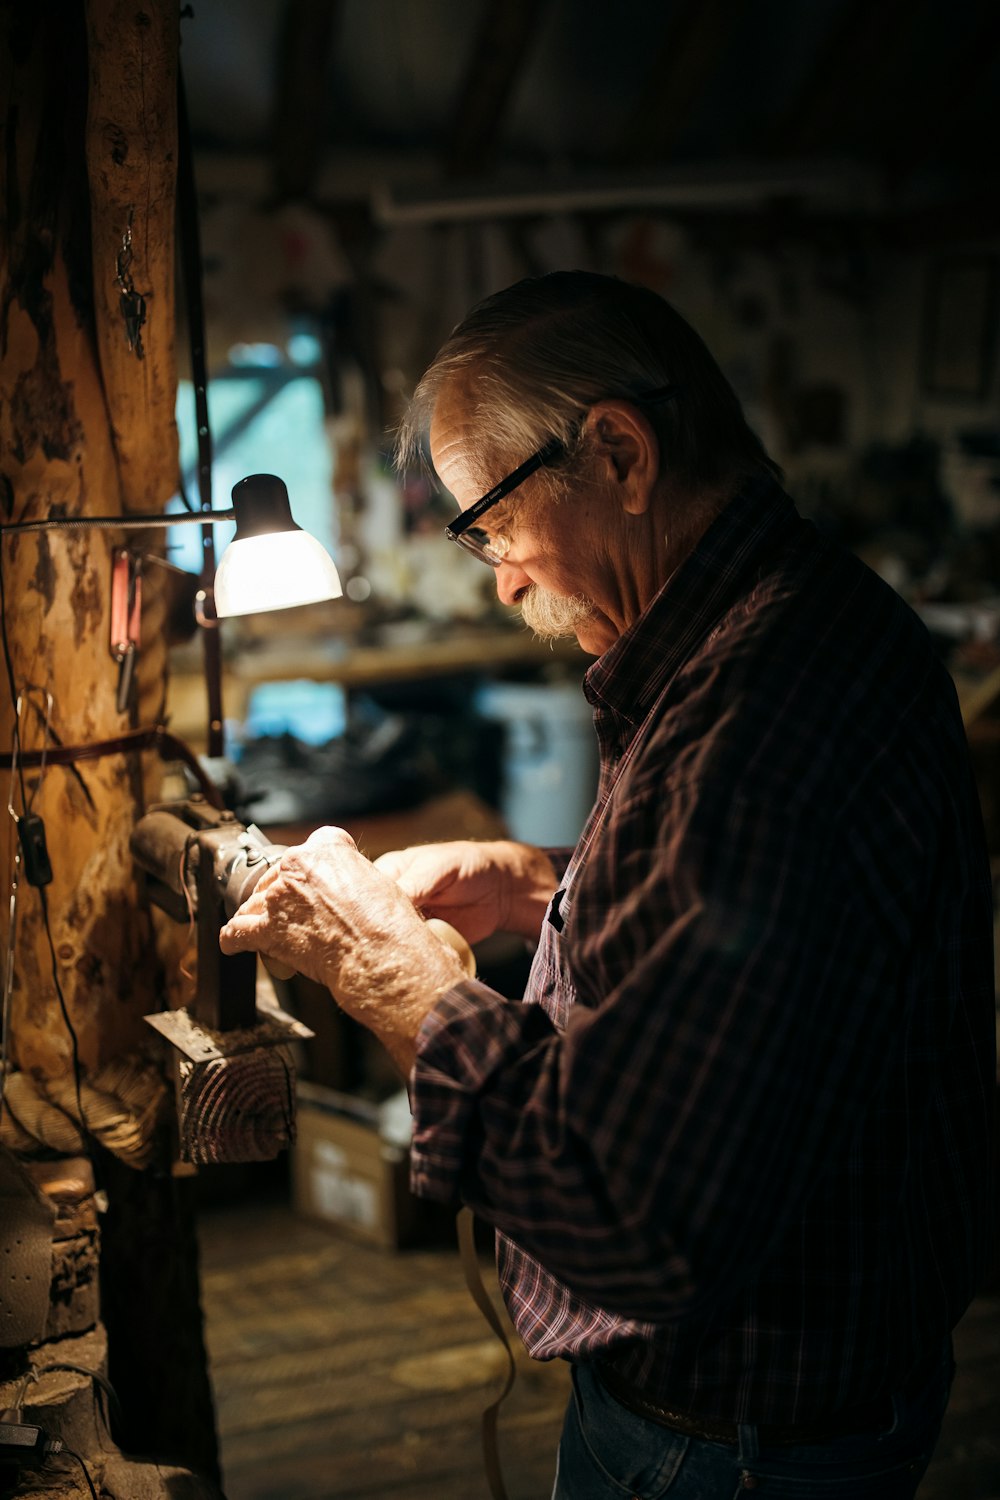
pixel 493 549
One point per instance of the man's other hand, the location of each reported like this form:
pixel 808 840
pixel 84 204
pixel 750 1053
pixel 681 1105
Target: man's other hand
pixel 479 888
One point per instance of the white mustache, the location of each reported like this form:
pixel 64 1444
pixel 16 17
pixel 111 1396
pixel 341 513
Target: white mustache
pixel 553 617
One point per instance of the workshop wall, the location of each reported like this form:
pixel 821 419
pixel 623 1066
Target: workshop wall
pixel 870 368
pixel 828 338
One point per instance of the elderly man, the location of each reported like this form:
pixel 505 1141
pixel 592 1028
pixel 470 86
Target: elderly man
pixel 735 1137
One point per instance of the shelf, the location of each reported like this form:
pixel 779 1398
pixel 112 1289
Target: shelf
pixel 354 667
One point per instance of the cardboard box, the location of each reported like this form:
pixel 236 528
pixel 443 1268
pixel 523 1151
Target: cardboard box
pixel 346 1174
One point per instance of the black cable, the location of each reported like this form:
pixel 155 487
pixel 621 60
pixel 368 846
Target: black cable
pixel 86 1472
pixel 4 1020
pixel 114 1406
pixel 182 491
pixel 10 671
pixel 191 272
pixel 74 1040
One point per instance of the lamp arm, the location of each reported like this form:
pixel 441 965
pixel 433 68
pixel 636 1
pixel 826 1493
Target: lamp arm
pixel 118 523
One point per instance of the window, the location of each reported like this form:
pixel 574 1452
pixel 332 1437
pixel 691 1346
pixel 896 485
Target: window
pixel 264 420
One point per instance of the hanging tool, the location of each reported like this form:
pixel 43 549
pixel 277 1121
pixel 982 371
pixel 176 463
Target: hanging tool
pixel 126 613
pixel 30 828
pixel 132 303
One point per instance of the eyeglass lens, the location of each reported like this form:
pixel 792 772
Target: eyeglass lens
pixel 488 549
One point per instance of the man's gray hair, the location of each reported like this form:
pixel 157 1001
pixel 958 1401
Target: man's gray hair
pixel 531 359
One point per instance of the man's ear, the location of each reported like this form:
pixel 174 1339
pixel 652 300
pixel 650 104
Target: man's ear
pixel 628 451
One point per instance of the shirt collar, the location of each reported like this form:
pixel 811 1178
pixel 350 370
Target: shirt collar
pixel 631 674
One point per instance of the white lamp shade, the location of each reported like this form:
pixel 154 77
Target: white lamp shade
pixel 278 570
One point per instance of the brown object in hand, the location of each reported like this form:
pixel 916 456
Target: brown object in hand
pixel 454 939
pixel 276 968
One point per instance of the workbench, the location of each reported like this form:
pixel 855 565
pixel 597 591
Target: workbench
pixel 355 666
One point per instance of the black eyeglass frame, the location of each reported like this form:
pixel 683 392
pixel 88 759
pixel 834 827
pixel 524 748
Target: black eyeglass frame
pixel 547 454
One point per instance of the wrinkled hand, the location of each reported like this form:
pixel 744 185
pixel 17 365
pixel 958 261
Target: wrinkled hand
pixel 325 911
pixel 479 888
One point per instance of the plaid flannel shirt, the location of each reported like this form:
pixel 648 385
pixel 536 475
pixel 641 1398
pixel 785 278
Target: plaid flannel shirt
pixel 736 1137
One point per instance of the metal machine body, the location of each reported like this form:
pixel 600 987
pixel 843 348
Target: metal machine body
pixel 234 1072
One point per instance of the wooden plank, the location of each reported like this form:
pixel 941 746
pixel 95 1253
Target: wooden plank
pixel 393 1447
pixel 308 1297
pixel 342 1371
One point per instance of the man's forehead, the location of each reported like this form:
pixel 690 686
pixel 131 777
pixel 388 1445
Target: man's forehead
pixel 453 409
pixel 452 431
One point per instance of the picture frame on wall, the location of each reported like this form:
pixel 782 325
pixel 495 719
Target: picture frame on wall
pixel 961 309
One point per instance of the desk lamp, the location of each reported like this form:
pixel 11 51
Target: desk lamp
pixel 271 563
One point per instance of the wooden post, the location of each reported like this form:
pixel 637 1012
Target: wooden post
pixel 86 427
pixel 131 152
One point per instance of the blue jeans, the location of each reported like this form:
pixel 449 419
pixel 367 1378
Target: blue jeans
pixel 609 1453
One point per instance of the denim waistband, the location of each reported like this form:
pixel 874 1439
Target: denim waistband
pixel 871 1417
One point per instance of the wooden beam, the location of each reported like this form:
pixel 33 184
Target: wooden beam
pixel 937 125
pixel 695 37
pixel 507 29
pixel 855 68
pixel 301 97
pixel 131 157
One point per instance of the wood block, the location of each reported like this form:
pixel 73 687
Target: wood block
pixel 69 1186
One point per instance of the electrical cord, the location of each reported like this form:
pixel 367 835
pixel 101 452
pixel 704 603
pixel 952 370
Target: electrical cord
pixel 182 491
pixel 26 1443
pixel 86 1472
pixel 113 1405
pixel 12 685
pixel 23 1443
pixel 10 667
pixel 74 1041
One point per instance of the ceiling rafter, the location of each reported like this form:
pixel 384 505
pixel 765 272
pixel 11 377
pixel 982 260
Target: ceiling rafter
pixel 695 38
pixel 305 51
pixel 932 128
pixel 856 70
pixel 507 28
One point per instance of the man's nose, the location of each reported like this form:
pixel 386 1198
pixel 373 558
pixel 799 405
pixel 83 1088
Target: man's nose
pixel 511 582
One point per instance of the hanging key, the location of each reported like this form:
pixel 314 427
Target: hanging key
pixel 133 310
pixel 132 304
